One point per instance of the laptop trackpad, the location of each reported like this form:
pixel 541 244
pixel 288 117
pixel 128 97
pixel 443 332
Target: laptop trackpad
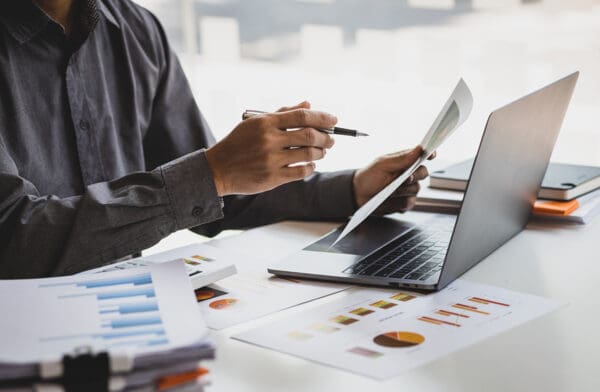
pixel 373 233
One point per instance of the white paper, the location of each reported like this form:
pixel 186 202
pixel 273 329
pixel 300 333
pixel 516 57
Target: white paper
pixel 398 330
pixel 253 294
pixel 205 264
pixel 129 312
pixel 454 112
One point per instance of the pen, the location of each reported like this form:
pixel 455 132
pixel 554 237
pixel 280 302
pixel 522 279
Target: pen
pixel 332 131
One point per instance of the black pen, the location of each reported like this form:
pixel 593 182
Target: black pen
pixel 332 131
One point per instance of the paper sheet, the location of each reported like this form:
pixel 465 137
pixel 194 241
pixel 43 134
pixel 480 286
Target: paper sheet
pixel 381 333
pixel 454 112
pixel 250 295
pixel 134 311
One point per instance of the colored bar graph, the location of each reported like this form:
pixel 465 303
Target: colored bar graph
pixel 448 313
pixel 486 301
pixel 437 321
pixel 134 322
pixel 469 308
pixel 127 306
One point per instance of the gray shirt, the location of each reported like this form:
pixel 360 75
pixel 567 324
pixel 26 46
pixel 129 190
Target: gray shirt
pixel 102 145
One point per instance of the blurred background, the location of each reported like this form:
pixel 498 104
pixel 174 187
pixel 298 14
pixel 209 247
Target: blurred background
pixel 387 66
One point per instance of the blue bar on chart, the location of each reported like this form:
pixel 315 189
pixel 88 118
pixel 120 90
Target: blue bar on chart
pixel 131 308
pixel 134 292
pixel 133 322
pixel 112 335
pixel 140 291
pixel 145 342
pixel 124 334
pixel 136 280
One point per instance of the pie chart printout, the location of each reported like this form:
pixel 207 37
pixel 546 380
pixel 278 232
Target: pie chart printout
pixel 223 303
pixel 399 339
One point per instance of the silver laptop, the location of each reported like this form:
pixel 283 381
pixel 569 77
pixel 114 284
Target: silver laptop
pixel 509 167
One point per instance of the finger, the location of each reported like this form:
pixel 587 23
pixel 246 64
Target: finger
pixel 306 137
pixel 400 161
pixel 398 205
pixel 300 118
pixel 302 154
pixel 407 190
pixel 298 172
pixel 420 174
pixel 432 156
pixel 301 105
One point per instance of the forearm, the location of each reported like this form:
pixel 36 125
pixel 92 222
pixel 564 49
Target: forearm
pixel 47 235
pixel 322 196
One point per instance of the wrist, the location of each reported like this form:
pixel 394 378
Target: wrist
pixel 213 162
pixel 359 199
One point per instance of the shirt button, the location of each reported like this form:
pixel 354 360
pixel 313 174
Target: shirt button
pixel 84 125
pixel 197 211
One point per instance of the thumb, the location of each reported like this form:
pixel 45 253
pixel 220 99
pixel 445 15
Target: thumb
pixel 402 160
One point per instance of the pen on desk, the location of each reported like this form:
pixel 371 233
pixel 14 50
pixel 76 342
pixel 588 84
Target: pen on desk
pixel 332 131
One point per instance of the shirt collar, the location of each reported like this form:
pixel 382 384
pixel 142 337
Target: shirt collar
pixel 24 20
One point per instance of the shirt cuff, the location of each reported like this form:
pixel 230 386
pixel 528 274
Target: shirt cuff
pixel 191 189
pixel 335 195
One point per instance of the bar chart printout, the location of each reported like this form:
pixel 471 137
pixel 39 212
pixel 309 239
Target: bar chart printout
pixel 143 309
pixel 381 333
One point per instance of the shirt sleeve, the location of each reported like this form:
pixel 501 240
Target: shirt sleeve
pixel 42 235
pixel 322 196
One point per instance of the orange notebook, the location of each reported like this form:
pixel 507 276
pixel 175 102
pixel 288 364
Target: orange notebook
pixel 555 207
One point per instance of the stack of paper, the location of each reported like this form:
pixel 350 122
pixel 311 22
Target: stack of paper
pixel 145 319
pixel 449 201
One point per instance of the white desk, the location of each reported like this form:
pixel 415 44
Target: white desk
pixel 558 352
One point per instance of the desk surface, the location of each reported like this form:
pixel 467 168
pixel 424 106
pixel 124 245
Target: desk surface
pixel 557 352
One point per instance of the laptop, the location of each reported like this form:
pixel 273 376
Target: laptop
pixel 509 167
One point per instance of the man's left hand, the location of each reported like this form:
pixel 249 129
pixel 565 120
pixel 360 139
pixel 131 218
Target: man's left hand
pixel 373 178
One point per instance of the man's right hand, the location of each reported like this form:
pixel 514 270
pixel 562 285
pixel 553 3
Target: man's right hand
pixel 257 155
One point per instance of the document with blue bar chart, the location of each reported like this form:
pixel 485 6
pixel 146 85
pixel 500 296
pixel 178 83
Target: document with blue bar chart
pixel 126 313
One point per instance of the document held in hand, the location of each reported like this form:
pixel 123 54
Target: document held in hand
pixel 454 112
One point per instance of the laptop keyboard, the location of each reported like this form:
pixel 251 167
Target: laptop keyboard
pixel 416 255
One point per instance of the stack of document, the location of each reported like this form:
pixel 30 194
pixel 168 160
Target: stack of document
pixel 580 210
pixel 131 330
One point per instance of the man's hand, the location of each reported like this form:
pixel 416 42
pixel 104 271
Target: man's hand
pixel 260 154
pixel 373 178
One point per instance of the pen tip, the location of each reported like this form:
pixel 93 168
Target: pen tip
pixel 362 134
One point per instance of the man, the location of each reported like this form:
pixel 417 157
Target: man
pixel 103 150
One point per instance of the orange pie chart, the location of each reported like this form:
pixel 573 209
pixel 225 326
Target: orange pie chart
pixel 399 339
pixel 223 303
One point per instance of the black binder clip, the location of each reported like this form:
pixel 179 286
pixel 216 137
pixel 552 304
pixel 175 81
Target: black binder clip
pixel 85 371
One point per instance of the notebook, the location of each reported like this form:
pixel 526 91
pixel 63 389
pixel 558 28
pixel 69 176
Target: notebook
pixel 561 182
